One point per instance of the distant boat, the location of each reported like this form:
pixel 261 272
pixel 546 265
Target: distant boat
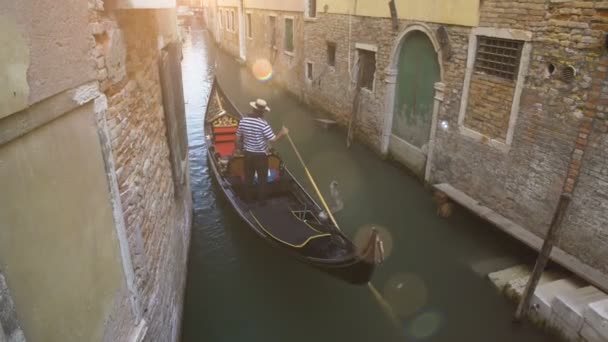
pixel 289 219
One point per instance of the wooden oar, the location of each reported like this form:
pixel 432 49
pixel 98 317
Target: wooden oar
pixel 314 184
pixel 386 307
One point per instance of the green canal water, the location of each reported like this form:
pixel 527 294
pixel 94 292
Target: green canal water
pixel 240 289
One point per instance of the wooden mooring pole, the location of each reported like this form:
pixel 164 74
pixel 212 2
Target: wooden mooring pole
pixel 543 257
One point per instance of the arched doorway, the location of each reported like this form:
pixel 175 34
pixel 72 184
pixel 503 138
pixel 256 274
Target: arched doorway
pixel 418 71
pixel 415 70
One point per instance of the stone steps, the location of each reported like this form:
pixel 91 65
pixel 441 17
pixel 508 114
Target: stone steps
pixel 568 305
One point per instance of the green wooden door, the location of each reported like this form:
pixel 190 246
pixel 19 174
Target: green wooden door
pixel 417 74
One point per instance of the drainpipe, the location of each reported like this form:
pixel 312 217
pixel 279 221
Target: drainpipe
pixel 439 97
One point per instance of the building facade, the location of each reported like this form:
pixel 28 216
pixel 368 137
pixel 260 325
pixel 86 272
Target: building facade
pixel 95 211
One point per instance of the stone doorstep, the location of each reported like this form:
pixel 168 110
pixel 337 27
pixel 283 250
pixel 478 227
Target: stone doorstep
pixel 590 335
pixel 486 266
pixel 571 305
pixel 502 278
pixel 516 287
pixel 544 295
pixel 596 316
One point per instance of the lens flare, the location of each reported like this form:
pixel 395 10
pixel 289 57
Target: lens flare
pixel 406 293
pixel 364 233
pixel 262 70
pixel 425 325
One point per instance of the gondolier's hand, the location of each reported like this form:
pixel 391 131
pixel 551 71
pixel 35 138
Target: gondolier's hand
pixel 283 132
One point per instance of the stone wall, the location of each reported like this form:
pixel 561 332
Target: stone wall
pixel 156 214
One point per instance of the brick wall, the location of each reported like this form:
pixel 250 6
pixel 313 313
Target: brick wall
pixel 333 89
pixel 489 106
pixel 525 182
pixel 157 220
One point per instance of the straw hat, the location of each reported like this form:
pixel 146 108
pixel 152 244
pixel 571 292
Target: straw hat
pixel 260 104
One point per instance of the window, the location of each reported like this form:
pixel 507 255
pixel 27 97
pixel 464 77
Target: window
pixel 273 31
pixel 311 8
pixel 289 35
pixel 249 34
pixel 309 75
pixel 498 57
pixel 367 69
pixel 331 54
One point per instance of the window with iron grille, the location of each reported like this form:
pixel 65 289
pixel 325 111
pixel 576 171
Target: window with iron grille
pixel 498 57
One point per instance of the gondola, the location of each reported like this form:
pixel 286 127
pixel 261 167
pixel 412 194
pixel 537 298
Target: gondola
pixel 289 219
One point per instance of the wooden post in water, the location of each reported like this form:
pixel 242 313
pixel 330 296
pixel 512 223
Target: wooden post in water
pixel 543 257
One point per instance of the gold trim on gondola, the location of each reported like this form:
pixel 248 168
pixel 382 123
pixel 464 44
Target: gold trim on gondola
pixel 285 242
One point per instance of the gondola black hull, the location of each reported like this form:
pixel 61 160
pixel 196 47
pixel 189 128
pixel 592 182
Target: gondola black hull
pixel 329 250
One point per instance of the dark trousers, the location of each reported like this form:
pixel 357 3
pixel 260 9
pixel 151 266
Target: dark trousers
pixel 256 163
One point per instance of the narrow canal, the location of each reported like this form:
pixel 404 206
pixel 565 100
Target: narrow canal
pixel 240 289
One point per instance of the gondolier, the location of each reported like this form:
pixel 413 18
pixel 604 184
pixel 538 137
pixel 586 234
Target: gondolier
pixel 253 136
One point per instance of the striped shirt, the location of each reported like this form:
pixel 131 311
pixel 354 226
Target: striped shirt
pixel 255 134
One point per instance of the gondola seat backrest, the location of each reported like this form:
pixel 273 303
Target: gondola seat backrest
pixel 224 134
pixel 236 168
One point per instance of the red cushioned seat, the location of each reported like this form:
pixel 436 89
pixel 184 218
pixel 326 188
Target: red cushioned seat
pixel 225 149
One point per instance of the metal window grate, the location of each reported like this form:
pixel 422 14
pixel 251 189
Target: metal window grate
pixel 498 57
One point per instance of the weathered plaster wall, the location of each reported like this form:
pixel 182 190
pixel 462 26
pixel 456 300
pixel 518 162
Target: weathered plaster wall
pixel 276 5
pixel 457 12
pixel 58 45
pixel 288 67
pixel 58 248
pixel 229 39
pixel 15 59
